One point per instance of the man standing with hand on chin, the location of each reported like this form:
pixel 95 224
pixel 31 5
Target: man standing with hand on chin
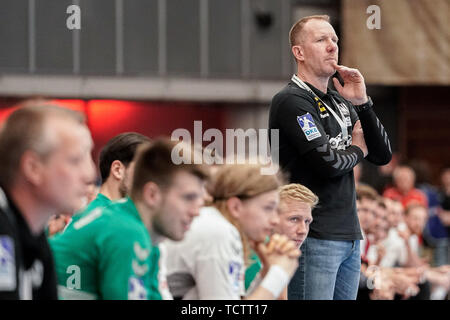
pixel 321 140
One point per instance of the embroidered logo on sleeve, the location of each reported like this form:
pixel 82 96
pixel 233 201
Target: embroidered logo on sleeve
pixel 136 289
pixel 234 270
pixel 7 264
pixel 308 126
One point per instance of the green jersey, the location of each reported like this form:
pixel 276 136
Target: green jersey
pixel 106 253
pixel 100 201
pixel 252 270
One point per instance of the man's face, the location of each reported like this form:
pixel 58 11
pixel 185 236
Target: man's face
pixel 366 213
pixel 180 205
pixel 404 179
pixel 445 178
pixel 380 224
pixel 416 220
pixel 295 219
pixel 68 169
pixel 320 50
pixel 125 184
pixel 259 215
pixel 395 213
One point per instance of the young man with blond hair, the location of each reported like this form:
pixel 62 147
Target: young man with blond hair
pixel 296 204
pixel 294 213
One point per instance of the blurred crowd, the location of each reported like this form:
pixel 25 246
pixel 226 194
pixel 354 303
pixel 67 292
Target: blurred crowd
pixel 406 224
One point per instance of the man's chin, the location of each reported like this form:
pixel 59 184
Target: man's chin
pixel 328 73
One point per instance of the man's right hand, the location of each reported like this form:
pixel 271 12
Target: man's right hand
pixel 358 138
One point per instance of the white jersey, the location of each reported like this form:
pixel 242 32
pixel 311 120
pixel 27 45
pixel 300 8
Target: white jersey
pixel 209 262
pixel 162 273
pixel 396 251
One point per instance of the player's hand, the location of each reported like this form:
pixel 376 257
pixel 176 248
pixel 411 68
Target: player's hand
pixel 358 138
pixel 405 235
pixel 57 223
pixel 280 251
pixel 354 88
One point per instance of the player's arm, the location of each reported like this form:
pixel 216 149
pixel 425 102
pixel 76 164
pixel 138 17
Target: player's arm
pixel 354 90
pixel 375 135
pixel 315 149
pixel 122 273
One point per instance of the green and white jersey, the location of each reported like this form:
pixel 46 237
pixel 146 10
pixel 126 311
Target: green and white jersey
pixel 100 201
pixel 107 254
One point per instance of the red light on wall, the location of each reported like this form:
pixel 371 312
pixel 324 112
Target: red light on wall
pixel 108 114
pixel 5 112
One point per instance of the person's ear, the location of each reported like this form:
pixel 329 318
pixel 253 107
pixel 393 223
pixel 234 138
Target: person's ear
pixel 117 170
pixel 151 194
pixel 298 52
pixel 31 166
pixel 235 207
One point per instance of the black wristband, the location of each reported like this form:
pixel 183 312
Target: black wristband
pixel 364 106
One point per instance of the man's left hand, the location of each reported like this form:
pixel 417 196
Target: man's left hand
pixel 354 89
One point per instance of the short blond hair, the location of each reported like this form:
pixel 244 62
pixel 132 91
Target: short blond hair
pixel 298 192
pixel 26 129
pixel 298 27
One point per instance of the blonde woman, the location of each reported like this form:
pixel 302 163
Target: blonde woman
pixel 210 262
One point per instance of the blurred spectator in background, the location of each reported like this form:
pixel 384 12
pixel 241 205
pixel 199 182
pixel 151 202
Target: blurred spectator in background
pixel 59 222
pixel 416 216
pixel 379 177
pixel 394 244
pixel 379 231
pixel 423 183
pixel 404 189
pixel 436 231
pixel 366 202
pixel 445 181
